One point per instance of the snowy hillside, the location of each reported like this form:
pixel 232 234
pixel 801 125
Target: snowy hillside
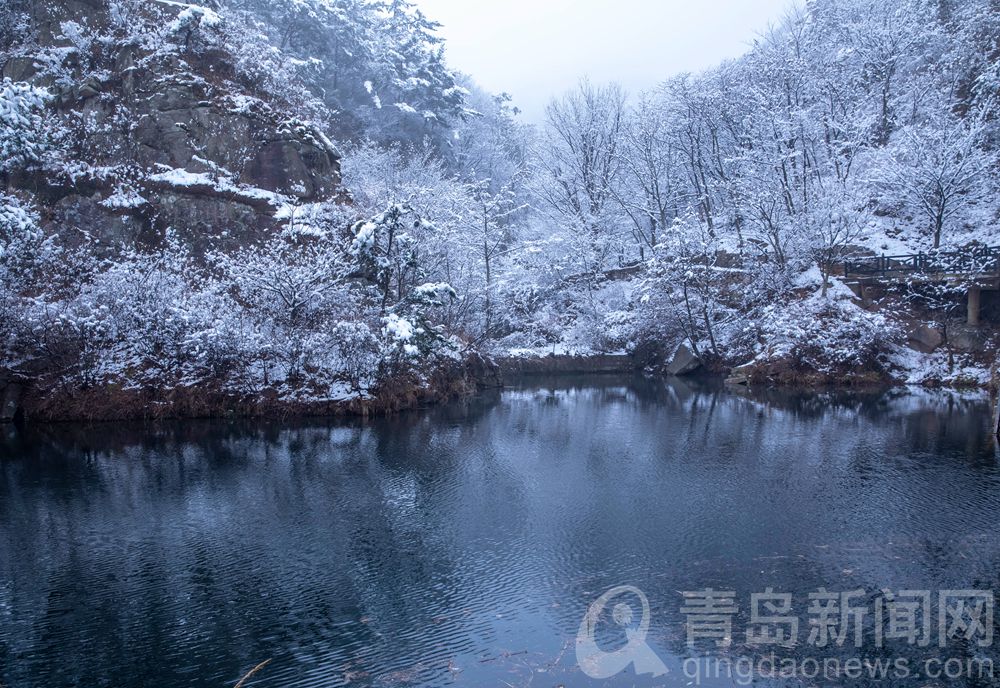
pixel 291 203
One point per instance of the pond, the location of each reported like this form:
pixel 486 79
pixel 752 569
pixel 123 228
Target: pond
pixel 465 545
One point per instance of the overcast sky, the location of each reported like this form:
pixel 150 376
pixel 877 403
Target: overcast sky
pixel 533 49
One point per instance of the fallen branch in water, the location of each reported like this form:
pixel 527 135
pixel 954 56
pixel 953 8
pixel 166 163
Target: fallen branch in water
pixel 252 672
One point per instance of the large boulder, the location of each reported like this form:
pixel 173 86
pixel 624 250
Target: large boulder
pixel 967 338
pixel 741 375
pixel 684 362
pixel 924 338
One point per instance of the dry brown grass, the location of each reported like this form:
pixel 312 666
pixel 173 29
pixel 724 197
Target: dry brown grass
pixel 44 402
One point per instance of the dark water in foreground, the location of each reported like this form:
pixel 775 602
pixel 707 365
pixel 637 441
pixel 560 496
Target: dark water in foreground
pixel 463 546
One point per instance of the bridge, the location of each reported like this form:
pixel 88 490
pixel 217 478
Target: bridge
pixel 978 261
pixel 977 268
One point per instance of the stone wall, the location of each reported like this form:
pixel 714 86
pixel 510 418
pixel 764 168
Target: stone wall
pixel 547 365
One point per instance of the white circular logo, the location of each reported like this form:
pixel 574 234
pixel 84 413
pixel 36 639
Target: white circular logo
pixel 598 664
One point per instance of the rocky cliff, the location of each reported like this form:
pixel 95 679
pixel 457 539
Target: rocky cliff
pixel 158 122
pixel 148 148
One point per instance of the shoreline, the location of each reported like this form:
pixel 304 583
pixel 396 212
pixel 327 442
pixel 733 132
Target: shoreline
pixel 112 404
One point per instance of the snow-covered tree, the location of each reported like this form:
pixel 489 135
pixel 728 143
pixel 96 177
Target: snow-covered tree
pixel 23 135
pixel 579 165
pixel 15 22
pixel 387 254
pixel 488 239
pixel 688 283
pixel 649 189
pixel 939 169
pixel 379 65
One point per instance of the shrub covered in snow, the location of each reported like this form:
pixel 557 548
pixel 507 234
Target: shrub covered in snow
pixel 826 335
pixel 25 250
pixel 24 138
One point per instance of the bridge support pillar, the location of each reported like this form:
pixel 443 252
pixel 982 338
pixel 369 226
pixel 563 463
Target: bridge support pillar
pixel 975 305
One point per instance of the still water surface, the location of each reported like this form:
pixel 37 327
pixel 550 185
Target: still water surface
pixel 462 546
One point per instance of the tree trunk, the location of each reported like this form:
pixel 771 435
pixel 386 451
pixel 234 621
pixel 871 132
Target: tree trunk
pixel 938 225
pixel 708 327
pixel 489 289
pixel 691 323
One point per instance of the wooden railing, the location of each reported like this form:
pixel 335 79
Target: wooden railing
pixel 974 261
